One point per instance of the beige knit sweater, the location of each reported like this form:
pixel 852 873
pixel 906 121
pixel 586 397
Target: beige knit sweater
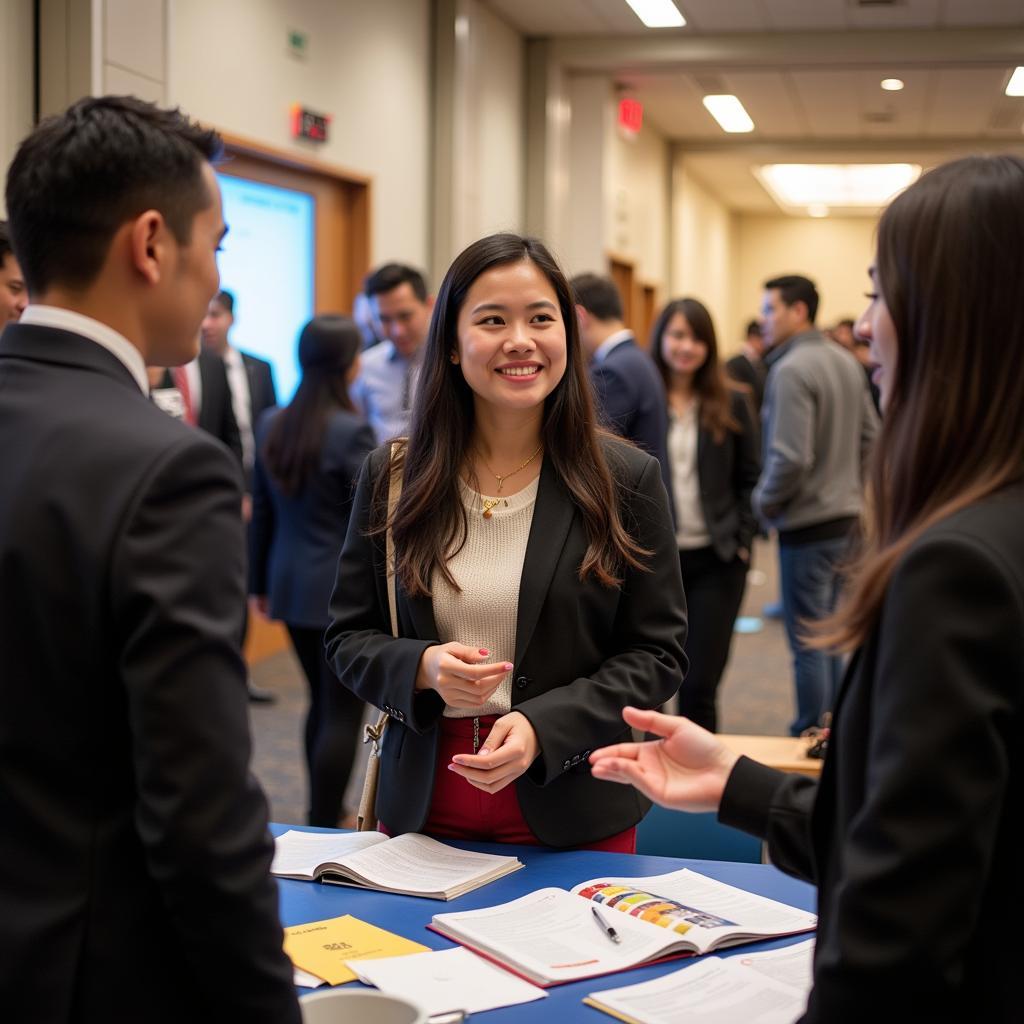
pixel 488 569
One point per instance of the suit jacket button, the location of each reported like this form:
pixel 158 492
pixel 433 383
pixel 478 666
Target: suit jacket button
pixel 566 765
pixel 522 682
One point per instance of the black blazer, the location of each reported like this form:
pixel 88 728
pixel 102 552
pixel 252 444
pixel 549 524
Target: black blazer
pixel 728 472
pixel 583 651
pixel 262 393
pixel 630 399
pixel 910 835
pixel 134 851
pixel 295 540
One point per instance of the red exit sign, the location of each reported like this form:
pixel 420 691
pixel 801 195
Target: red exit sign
pixel 631 115
pixel 307 124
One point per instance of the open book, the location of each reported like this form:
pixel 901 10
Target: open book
pixel 761 988
pixel 552 936
pixel 410 864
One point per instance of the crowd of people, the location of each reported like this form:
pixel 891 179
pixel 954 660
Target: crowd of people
pixel 518 530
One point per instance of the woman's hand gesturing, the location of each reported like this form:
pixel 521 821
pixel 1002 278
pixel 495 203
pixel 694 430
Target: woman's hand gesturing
pixel 686 769
pixel 510 748
pixel 456 672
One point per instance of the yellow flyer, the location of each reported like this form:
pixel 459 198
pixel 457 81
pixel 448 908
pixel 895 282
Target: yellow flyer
pixel 322 947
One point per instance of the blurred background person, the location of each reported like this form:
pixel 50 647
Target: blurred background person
pixel 714 461
pixel 819 427
pixel 13 293
pixel 385 387
pixel 308 455
pixel 628 395
pixel 747 367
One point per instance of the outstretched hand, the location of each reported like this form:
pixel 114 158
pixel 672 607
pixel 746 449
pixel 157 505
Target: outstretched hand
pixel 686 769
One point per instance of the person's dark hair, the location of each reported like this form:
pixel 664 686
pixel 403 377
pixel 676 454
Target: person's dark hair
pixel 754 329
pixel 5 242
pixel 794 288
pixel 328 346
pixel 429 521
pixel 950 263
pixel 390 276
pixel 710 383
pixel 845 322
pixel 598 296
pixel 225 299
pixel 82 174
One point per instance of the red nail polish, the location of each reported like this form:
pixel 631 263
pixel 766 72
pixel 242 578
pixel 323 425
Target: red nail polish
pixel 484 651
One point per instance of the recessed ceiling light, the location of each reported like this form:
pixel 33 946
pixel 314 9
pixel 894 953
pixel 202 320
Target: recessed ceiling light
pixel 729 113
pixel 817 210
pixel 892 84
pixel 836 185
pixel 1015 86
pixel 657 13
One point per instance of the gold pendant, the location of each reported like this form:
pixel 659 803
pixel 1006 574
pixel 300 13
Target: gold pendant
pixel 489 503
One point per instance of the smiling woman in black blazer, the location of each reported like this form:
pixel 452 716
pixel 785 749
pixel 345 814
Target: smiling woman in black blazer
pixel 714 462
pixel 538 589
pixel 911 833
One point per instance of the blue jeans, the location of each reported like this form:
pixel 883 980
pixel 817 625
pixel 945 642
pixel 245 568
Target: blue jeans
pixel 810 585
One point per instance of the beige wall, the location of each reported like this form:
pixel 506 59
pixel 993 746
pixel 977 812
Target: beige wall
pixel 16 74
pixel 368 65
pixel 637 201
pixel 705 245
pixel 833 252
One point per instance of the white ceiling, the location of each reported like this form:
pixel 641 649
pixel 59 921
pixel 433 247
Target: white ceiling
pixel 808 72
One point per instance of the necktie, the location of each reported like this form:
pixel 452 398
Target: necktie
pixel 180 378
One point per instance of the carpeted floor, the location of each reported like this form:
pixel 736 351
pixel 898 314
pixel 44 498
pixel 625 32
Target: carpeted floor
pixel 756 696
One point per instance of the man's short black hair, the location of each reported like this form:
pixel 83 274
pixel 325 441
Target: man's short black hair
pixel 5 242
pixel 794 288
pixel 597 295
pixel 754 329
pixel 390 276
pixel 226 299
pixel 82 174
pixel 846 322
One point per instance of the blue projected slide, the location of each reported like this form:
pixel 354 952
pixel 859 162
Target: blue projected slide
pixel 267 264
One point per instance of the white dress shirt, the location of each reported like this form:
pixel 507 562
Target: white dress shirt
pixel 102 334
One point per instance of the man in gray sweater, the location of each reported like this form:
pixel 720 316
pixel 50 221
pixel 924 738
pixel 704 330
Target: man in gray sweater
pixel 819 424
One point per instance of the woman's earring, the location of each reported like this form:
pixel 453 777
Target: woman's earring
pixel 454 357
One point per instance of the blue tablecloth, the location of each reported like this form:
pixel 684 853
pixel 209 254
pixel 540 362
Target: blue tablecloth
pixel 409 916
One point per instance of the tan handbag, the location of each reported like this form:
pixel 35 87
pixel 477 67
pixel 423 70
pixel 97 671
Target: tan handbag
pixel 366 816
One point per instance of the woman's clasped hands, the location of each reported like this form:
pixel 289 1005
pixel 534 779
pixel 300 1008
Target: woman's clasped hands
pixel 462 678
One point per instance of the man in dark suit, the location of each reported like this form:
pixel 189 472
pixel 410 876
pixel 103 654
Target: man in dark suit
pixel 748 368
pixel 628 390
pixel 135 854
pixel 250 379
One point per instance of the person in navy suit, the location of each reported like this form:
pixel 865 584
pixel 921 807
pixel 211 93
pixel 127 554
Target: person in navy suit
pixel 628 393
pixel 911 833
pixel 308 456
pixel 135 855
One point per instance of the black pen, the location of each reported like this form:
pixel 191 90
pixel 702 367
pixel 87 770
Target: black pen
pixel 605 926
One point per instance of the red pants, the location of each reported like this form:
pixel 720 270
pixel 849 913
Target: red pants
pixel 459 810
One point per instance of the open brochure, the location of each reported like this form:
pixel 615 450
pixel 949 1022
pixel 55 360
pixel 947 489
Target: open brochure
pixel 552 936
pixel 760 988
pixel 409 864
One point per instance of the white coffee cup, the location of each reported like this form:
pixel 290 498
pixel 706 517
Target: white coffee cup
pixel 359 1006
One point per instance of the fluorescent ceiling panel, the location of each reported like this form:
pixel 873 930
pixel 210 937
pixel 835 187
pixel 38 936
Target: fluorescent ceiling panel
pixel 729 113
pixel 831 185
pixel 1015 86
pixel 657 13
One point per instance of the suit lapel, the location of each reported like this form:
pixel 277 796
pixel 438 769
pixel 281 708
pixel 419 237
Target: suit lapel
pixel 552 518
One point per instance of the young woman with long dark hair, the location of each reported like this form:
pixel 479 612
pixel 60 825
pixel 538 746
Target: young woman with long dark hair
pixel 537 584
pixel 308 457
pixel 910 835
pixel 714 461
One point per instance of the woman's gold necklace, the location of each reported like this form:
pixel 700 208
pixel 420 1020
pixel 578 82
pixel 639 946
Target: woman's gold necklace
pixel 487 504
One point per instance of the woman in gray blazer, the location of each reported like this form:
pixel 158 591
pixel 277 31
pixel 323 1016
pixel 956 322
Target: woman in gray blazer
pixel 307 456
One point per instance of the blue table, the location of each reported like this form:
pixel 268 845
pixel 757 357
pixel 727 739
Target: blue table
pixel 409 916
